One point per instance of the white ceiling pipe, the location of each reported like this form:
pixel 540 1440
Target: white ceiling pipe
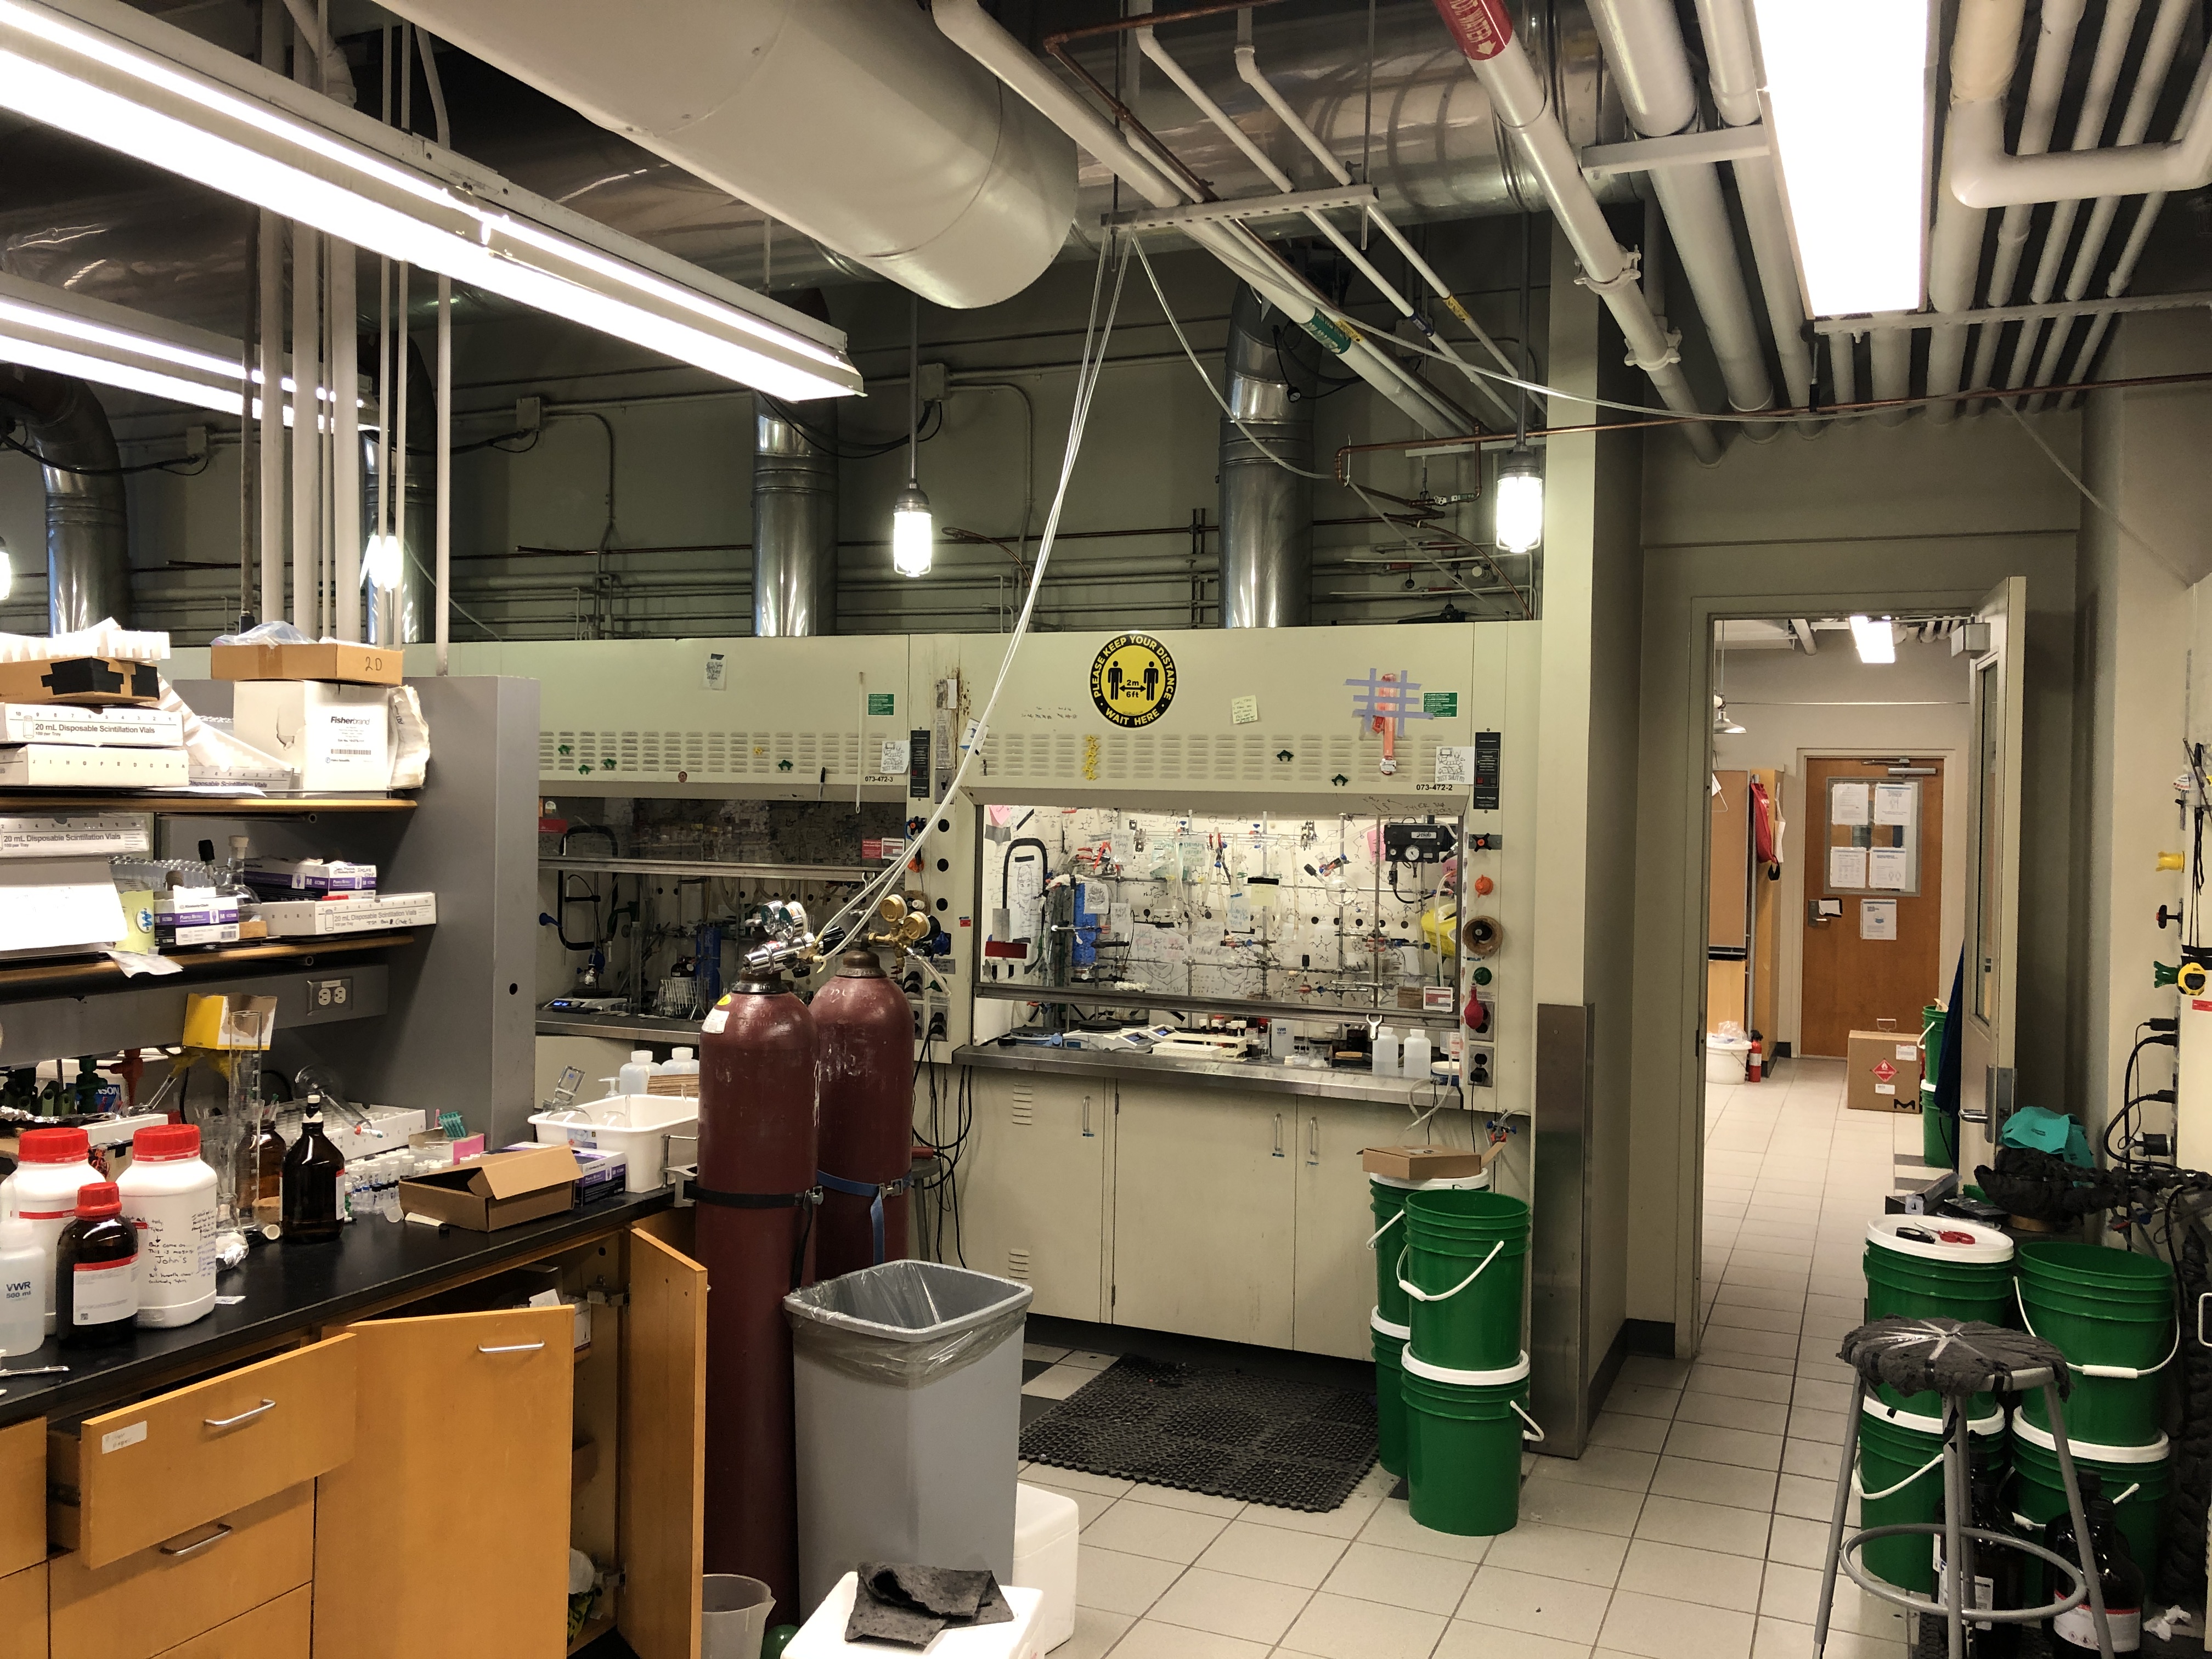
pixel 2122 273
pixel 1890 351
pixel 2058 22
pixel 1985 46
pixel 1642 42
pixel 1732 70
pixel 1518 97
pixel 1844 366
pixel 2159 52
pixel 968 26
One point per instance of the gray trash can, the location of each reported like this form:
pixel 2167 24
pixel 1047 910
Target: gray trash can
pixel 909 1384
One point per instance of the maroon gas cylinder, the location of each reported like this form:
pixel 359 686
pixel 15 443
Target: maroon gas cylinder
pixel 866 1030
pixel 758 1055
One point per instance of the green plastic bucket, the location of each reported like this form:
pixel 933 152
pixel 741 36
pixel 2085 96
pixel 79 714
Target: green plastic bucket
pixel 2111 1313
pixel 1926 1267
pixel 1386 1197
pixel 1901 1482
pixel 1389 1400
pixel 1939 1135
pixel 2135 1479
pixel 1462 1266
pixel 1463 1434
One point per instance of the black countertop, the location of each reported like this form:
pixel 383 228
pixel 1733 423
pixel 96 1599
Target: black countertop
pixel 290 1287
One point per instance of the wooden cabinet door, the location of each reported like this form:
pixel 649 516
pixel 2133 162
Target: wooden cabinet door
pixel 1205 1200
pixel 448 1533
pixel 664 1433
pixel 23 1614
pixel 1033 1188
pixel 1335 1289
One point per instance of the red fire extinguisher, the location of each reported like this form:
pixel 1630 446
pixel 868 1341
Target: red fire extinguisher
pixel 1753 1067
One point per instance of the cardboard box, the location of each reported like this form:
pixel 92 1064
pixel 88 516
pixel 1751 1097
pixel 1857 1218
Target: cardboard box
pixel 344 665
pixel 486 1193
pixel 353 913
pixel 121 727
pixel 1884 1069
pixel 1427 1163
pixel 334 738
pixel 84 682
pixel 194 915
pixel 106 835
pixel 64 766
pixel 287 876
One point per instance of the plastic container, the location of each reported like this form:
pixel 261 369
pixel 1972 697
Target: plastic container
pixel 1463 1435
pixel 908 1381
pixel 1899 1483
pixel 1416 1055
pixel 733 1613
pixel 168 1196
pixel 1939 1135
pixel 52 1166
pixel 1386 1198
pixel 2111 1313
pixel 1726 1058
pixel 1390 1343
pixel 1045 1528
pixel 2136 1479
pixel 1935 1267
pixel 1382 1058
pixel 636 1077
pixel 1462 1266
pixel 681 1062
pixel 22 1315
pixel 96 1271
pixel 637 1126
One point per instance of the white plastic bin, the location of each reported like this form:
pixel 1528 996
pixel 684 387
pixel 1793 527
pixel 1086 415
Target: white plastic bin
pixel 637 1126
pixel 823 1635
pixel 1727 1058
pixel 1045 1526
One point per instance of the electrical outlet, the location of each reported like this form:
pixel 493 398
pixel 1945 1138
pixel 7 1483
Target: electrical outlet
pixel 329 993
pixel 1481 1066
pixel 929 384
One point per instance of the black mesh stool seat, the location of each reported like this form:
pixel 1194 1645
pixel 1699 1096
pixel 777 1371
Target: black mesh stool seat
pixel 1958 1360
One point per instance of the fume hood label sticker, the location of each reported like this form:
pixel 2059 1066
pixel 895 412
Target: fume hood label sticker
pixel 895 756
pixel 1482 28
pixel 884 703
pixel 1440 705
pixel 716 665
pixel 1244 711
pixel 1133 679
pixel 1455 765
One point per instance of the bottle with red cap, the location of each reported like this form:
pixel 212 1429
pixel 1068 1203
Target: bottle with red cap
pixel 51 1164
pixel 96 1271
pixel 169 1197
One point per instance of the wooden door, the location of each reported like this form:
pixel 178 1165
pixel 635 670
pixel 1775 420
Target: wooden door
pixel 1205 1202
pixel 664 1441
pixel 1335 1288
pixel 448 1531
pixel 1853 980
pixel 1033 1190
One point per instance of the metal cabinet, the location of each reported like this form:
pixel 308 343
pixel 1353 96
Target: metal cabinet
pixel 1033 1204
pixel 1335 1290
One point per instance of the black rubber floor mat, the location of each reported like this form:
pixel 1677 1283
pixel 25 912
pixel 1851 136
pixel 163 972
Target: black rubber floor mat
pixel 1293 1445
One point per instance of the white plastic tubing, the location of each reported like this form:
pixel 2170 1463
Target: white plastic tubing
pixel 968 26
pixel 1484 31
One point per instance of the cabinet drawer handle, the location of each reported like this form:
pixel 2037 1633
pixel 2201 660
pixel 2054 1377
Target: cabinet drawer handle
pixel 512 1347
pixel 1313 1140
pixel 243 1417
pixel 223 1531
pixel 1279 1134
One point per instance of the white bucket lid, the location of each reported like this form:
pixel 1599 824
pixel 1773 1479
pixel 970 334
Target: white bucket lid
pixel 1955 1240
pixel 1437 1183
pixel 1436 1373
pixel 1403 1333
pixel 2154 1453
pixel 1876 1406
pixel 1735 1045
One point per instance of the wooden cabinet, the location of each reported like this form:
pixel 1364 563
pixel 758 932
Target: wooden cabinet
pixel 663 1439
pixel 1336 1271
pixel 23 1614
pixel 275 1629
pixel 1204 1194
pixel 22 1496
pixel 1033 1201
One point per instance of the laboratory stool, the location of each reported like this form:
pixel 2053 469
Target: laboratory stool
pixel 1045 1525
pixel 823 1635
pixel 1958 1361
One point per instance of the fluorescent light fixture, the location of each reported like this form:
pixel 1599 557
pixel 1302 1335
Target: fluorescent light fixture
pixel 913 533
pixel 1518 516
pixel 379 563
pixel 117 77
pixel 1850 131
pixel 1876 639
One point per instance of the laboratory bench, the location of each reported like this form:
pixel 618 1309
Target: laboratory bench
pixel 374 1452
pixel 1257 1073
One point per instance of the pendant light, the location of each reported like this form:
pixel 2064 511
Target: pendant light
pixel 913 530
pixel 1517 520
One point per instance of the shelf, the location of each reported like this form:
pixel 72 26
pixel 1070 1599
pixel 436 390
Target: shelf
pixel 92 975
pixel 51 801
pixel 699 867
pixel 1103 995
pixel 593 1629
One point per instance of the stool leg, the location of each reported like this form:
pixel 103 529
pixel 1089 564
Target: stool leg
pixel 1836 1524
pixel 2087 1557
pixel 1954 1588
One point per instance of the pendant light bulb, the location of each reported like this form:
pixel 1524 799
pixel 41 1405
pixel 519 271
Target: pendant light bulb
pixel 1518 516
pixel 914 532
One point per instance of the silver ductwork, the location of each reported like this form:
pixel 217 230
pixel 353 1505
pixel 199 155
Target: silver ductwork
pixel 794 525
pixel 397 596
pixel 87 533
pixel 1266 511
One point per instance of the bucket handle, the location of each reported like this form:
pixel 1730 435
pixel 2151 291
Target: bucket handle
pixel 1394 1220
pixel 1421 1295
pixel 2126 1373
pixel 1890 1491
pixel 1535 1431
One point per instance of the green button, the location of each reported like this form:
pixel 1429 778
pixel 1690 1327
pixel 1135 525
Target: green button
pixel 1482 976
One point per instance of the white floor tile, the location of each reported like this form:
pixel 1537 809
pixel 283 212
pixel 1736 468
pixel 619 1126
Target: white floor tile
pixel 1095 1632
pixel 1370 1572
pixel 1464 1639
pixel 1727 1581
pixel 1341 1627
pixel 1657 1628
pixel 1224 1604
pixel 1532 1603
pixel 1587 1558
pixel 1727 1484
pixel 1270 1553
pixel 1646 1434
pixel 1634 1400
pixel 1548 1503
pixel 1733 1382
pixel 1165 1535
pixel 1061 1381
pixel 1114 1582
pixel 1758 1416
pixel 1088 1505
pixel 1150 1639
pixel 1039 1351
pixel 1393 1526
pixel 1704 1526
pixel 1714 1444
pixel 1197 1503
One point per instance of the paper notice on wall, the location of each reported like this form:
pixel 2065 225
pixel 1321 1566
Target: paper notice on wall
pixel 1847 866
pixel 1847 803
pixel 1889 869
pixel 714 674
pixel 1455 765
pixel 896 758
pixel 1120 925
pixel 1878 919
pixel 1892 803
pixel 1244 711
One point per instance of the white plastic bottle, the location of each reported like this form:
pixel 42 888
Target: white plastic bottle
pixel 635 1077
pixel 22 1323
pixel 1383 1061
pixel 51 1164
pixel 681 1062
pixel 168 1196
pixel 1416 1052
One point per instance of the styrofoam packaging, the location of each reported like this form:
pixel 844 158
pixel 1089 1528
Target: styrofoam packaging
pixel 195 915
pixel 334 738
pixel 347 913
pixel 106 728
pixel 309 876
pixel 637 1126
pixel 65 766
pixel 396 1123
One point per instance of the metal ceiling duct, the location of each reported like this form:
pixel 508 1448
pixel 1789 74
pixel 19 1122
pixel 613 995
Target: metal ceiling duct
pixel 794 526
pixel 1267 510
pixel 87 535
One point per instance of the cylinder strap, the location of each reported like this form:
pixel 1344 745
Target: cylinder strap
pixel 2126 1372
pixel 1535 1430
pixel 1421 1295
pixel 875 1192
pixel 806 1203
pixel 1384 1228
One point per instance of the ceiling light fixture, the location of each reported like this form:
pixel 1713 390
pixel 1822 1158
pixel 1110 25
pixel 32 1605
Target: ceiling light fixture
pixel 1875 638
pixel 115 77
pixel 1853 148
pixel 1517 518
pixel 914 531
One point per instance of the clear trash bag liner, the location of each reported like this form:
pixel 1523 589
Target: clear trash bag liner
pixel 905 1323
pixel 276 631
